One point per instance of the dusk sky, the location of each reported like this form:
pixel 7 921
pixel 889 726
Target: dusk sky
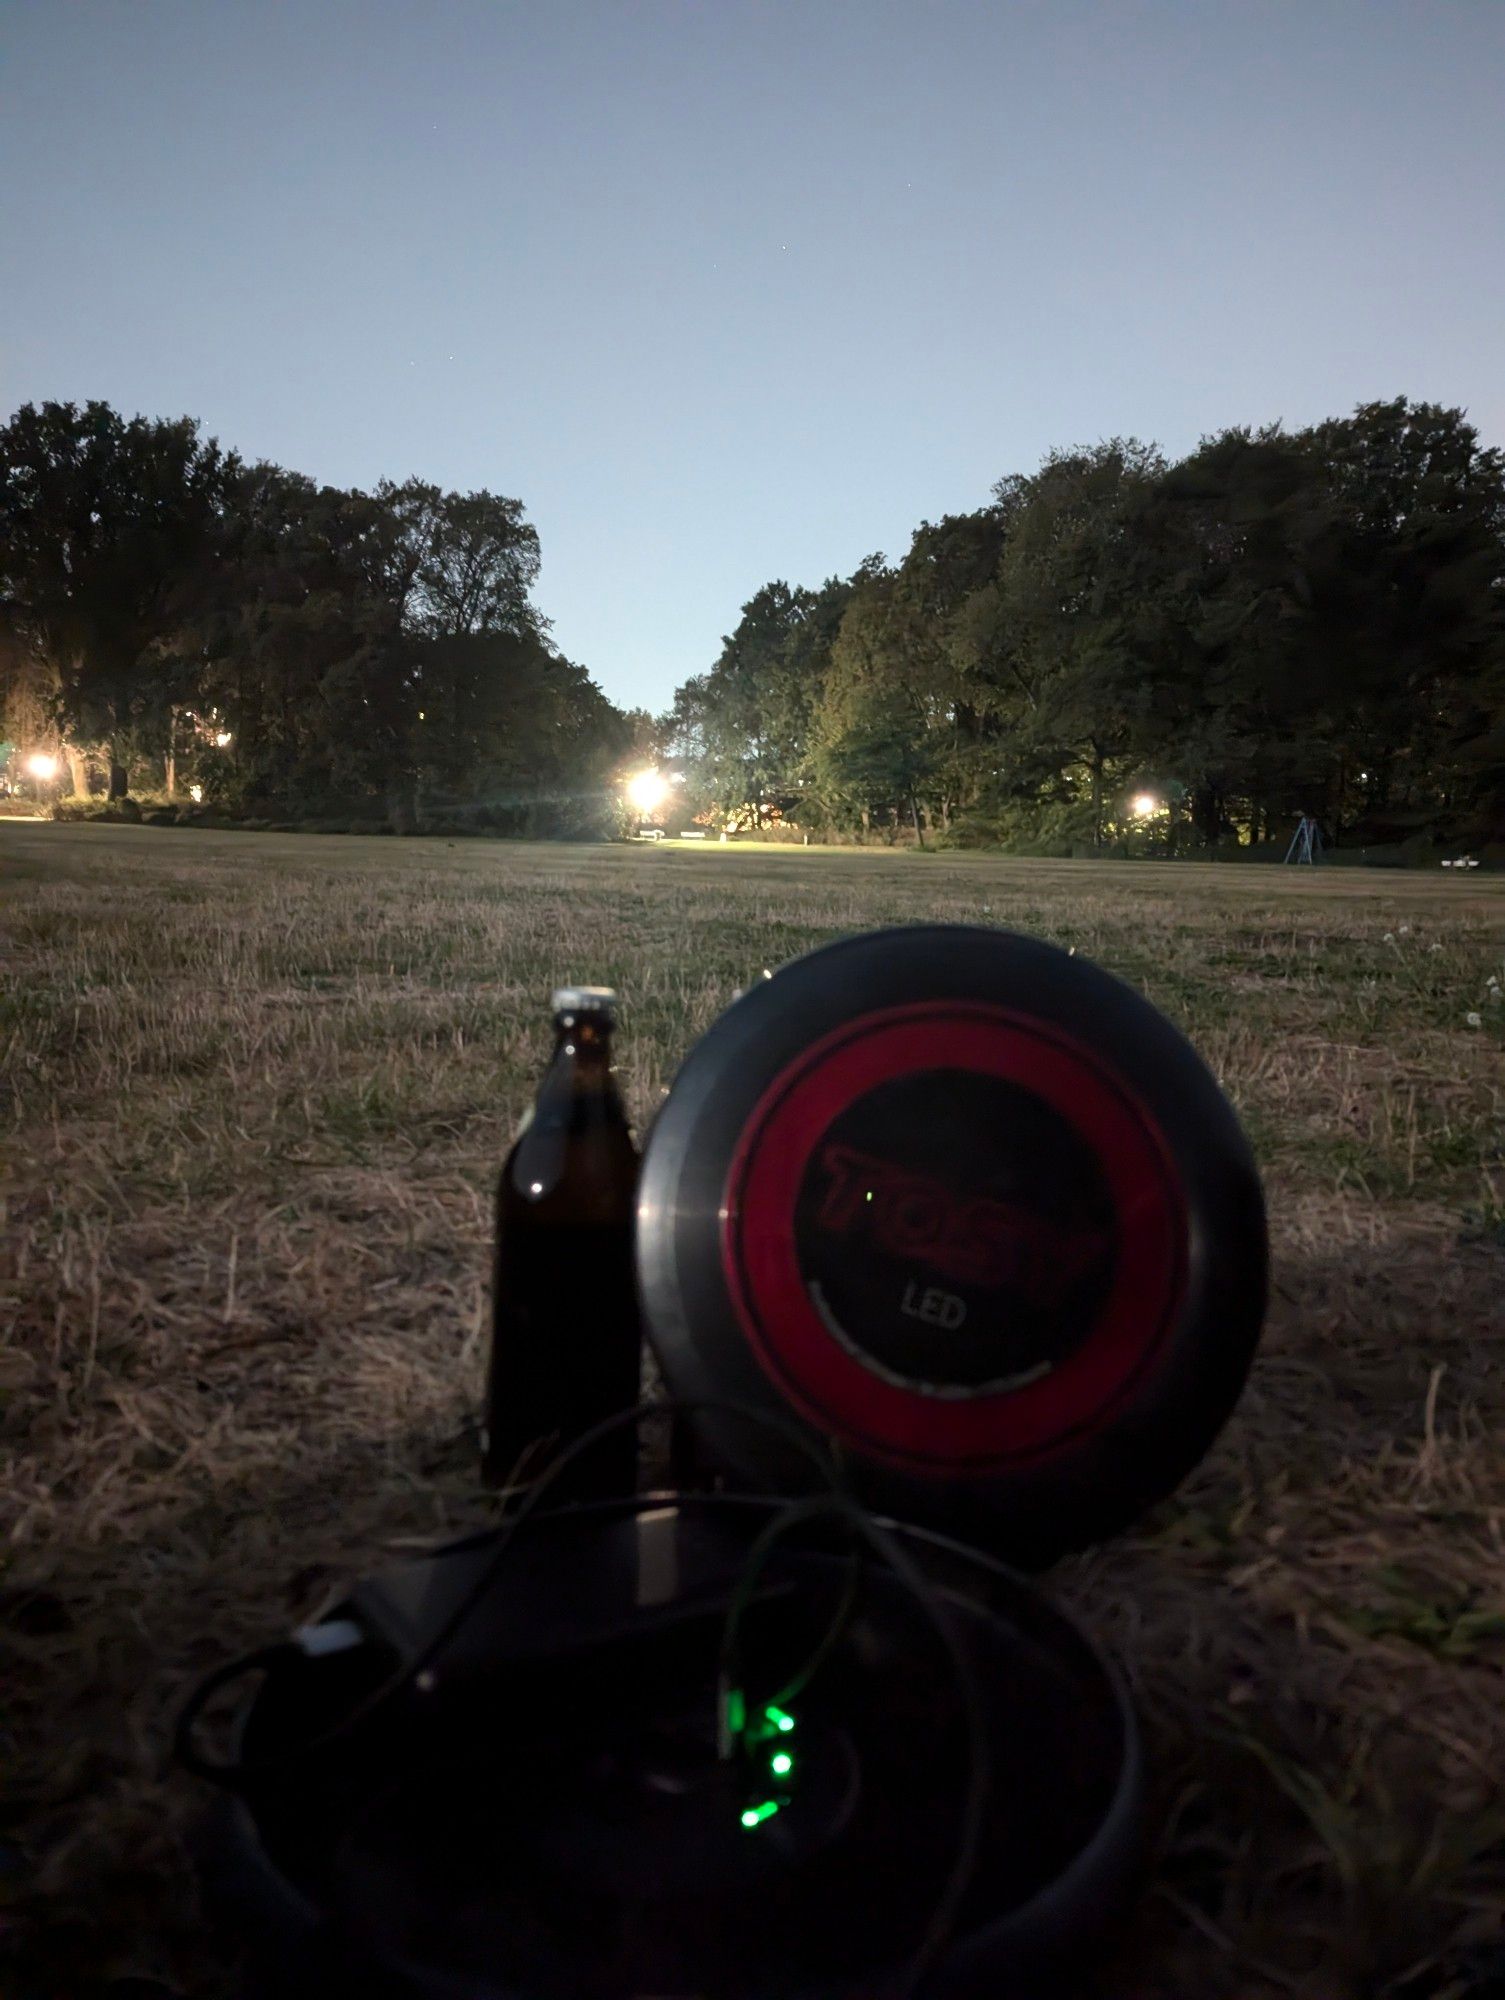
pixel 729 292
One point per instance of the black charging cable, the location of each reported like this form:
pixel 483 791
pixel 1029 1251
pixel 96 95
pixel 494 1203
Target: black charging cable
pixel 836 1503
pixel 416 1672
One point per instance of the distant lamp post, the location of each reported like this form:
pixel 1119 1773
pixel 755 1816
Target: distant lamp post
pixel 1144 805
pixel 43 769
pixel 647 790
pixel 222 738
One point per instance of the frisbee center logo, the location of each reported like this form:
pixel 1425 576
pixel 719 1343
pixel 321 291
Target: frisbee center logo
pixel 965 1237
pixel 955 1233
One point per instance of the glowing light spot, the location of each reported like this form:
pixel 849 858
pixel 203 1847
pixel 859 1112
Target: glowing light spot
pixel 647 790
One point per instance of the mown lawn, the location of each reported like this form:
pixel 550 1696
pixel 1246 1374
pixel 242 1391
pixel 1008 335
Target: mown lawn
pixel 255 1089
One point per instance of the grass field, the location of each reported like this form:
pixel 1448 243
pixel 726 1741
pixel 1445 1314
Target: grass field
pixel 256 1088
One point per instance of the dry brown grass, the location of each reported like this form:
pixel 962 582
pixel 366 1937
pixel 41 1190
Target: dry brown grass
pixel 255 1089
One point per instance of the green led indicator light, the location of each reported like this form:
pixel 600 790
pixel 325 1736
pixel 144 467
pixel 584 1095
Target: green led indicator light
pixel 755 1815
pixel 781 1765
pixel 780 1718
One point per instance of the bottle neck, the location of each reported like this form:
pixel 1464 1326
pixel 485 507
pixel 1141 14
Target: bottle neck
pixel 581 1071
pixel 578 1106
pixel 584 1042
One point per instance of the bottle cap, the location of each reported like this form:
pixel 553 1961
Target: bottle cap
pixel 585 1000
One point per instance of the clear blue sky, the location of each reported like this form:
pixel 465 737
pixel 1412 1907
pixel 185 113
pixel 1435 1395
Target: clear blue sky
pixel 723 291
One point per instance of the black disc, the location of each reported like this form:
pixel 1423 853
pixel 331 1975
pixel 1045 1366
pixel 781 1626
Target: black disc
pixel 550 1818
pixel 974 1209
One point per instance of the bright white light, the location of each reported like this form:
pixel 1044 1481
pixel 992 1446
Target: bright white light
pixel 42 766
pixel 222 738
pixel 1144 805
pixel 196 793
pixel 647 790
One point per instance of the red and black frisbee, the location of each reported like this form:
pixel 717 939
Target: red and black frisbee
pixel 970 1207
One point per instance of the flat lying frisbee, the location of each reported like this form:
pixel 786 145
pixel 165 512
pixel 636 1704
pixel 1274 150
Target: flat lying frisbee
pixel 974 1210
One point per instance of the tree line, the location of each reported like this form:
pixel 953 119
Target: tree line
pixel 1119 651
pixel 1125 651
pixel 176 620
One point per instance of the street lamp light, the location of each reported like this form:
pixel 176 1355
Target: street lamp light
pixel 647 790
pixel 42 767
pixel 1144 805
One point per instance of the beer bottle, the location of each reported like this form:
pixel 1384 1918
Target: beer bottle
pixel 566 1343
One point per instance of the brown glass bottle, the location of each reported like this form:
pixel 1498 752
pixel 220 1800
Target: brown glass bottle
pixel 566 1342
